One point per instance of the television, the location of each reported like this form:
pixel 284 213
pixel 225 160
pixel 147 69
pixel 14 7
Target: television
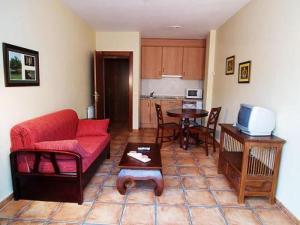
pixel 255 120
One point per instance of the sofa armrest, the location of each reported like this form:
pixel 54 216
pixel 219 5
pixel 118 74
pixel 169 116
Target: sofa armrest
pixel 62 145
pixel 92 127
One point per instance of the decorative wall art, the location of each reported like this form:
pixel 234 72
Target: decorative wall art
pixel 244 72
pixel 230 64
pixel 21 66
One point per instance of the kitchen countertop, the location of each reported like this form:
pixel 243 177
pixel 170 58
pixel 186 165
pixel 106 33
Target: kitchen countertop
pixel 161 97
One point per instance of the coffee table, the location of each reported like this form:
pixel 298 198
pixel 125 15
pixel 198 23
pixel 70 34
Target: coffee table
pixel 132 169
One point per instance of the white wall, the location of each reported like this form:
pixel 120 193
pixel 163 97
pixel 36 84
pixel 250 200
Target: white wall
pixel 65 45
pixel 168 86
pixel 267 32
pixel 125 41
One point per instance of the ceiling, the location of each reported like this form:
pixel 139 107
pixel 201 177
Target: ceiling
pixel 153 17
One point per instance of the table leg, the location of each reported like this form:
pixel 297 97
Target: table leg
pixel 186 125
pixel 181 125
pixel 159 185
pixel 127 175
pixel 121 184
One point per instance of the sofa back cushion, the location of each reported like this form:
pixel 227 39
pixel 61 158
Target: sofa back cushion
pixel 55 126
pixel 92 127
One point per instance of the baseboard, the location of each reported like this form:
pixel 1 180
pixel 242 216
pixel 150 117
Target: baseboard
pixel 6 200
pixel 287 212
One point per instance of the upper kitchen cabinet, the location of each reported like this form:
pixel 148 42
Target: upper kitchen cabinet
pixel 173 57
pixel 151 62
pixel 172 60
pixel 193 63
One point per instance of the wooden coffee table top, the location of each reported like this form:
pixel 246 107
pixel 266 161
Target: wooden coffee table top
pixel 128 162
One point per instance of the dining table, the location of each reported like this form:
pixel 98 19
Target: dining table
pixel 185 115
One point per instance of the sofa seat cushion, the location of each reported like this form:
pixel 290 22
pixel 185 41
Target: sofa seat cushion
pixel 92 145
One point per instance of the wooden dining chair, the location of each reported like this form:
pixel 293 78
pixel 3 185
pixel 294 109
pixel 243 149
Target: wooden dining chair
pixel 208 131
pixel 162 127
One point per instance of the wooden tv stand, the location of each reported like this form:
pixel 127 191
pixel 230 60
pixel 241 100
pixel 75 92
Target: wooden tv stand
pixel 251 164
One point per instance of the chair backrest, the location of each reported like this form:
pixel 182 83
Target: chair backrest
pixel 159 115
pixel 213 118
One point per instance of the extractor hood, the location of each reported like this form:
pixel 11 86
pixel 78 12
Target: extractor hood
pixel 171 76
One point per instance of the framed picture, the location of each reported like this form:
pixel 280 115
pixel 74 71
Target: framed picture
pixel 230 64
pixel 244 72
pixel 21 66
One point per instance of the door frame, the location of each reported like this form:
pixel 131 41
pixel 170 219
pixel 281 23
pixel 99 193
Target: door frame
pixel 127 55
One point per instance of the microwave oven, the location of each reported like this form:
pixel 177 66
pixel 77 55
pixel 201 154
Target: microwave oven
pixel 193 93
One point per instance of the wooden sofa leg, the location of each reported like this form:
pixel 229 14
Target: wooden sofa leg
pixel 15 181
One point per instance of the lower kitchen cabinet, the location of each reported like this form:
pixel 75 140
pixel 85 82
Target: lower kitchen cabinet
pixel 145 113
pixel 148 117
pixel 167 105
pixel 148 113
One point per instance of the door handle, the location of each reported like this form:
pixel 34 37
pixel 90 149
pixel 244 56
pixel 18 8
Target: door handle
pixel 96 95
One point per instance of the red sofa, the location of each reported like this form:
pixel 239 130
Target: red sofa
pixel 54 156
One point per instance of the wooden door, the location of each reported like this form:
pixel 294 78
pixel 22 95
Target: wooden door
pixel 151 62
pixel 193 63
pixel 145 113
pixel 116 72
pixel 98 86
pixel 172 60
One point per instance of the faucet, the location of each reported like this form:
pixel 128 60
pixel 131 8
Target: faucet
pixel 151 94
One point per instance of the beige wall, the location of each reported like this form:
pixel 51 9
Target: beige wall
pixel 209 69
pixel 125 41
pixel 65 45
pixel 267 32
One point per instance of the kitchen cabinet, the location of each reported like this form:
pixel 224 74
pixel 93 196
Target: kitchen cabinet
pixel 148 113
pixel 145 112
pixel 148 117
pixel 170 104
pixel 173 57
pixel 193 63
pixel 172 60
pixel 151 62
pixel 153 117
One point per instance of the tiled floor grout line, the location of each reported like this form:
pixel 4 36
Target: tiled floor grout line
pixel 219 206
pixel 53 212
pixel 93 202
pixel 123 209
pixel 257 216
pixel 186 201
pixel 155 210
pixel 24 208
pixel 184 193
pixel 124 203
pixel 11 219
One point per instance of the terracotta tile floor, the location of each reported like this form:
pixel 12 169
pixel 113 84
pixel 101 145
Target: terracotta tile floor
pixel 194 194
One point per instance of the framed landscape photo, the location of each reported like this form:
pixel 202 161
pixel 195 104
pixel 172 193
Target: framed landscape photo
pixel 21 66
pixel 244 72
pixel 230 64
